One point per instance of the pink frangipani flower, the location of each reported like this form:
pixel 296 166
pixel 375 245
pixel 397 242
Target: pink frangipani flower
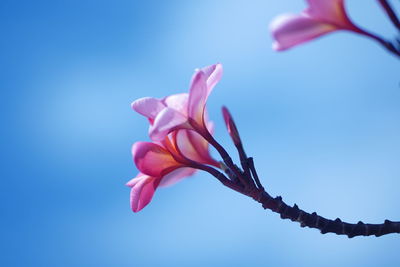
pixel 178 127
pixel 321 17
pixel 180 111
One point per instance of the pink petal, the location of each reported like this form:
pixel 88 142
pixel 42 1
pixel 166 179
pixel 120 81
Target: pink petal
pixel 166 121
pixel 133 181
pixel 184 140
pixel 197 97
pixel 178 102
pixel 148 106
pixel 193 146
pixel 213 74
pixel 330 11
pixel 176 176
pixel 291 30
pixel 153 160
pixel 142 191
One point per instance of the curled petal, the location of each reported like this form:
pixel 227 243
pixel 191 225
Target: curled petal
pixel 148 107
pixel 202 83
pixel 176 176
pixel 142 191
pixel 197 97
pixel 213 74
pixel 166 121
pixel 152 159
pixel 194 147
pixel 291 30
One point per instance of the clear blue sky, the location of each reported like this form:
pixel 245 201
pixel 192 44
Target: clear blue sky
pixel 321 120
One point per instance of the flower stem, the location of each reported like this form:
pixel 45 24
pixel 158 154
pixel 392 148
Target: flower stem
pixel 391 13
pixel 388 45
pixel 221 177
pixel 221 150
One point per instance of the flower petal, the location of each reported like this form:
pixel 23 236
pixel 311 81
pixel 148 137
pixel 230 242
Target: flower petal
pixel 176 176
pixel 213 74
pixel 202 84
pixel 166 121
pixel 193 146
pixel 133 181
pixel 142 191
pixel 153 160
pixel 331 11
pixel 291 30
pixel 148 107
pixel 197 97
pixel 178 102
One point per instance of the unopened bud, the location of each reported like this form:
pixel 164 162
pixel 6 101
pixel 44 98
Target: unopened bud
pixel 231 126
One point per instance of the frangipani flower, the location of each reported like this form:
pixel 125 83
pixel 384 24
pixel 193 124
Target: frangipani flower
pixel 321 17
pixel 177 148
pixel 180 111
pixel 181 134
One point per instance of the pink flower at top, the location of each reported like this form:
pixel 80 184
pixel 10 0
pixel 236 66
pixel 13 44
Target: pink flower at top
pixel 321 17
pixel 180 111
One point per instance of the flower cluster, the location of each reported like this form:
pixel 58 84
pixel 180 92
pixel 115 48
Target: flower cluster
pixel 180 134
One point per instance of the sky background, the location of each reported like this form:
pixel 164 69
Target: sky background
pixel 321 121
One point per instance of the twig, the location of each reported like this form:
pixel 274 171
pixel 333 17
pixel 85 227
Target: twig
pixel 391 13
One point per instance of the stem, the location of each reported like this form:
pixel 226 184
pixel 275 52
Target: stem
pixel 257 192
pixel 243 159
pixel 313 220
pixel 295 214
pixel 222 178
pixel 391 13
pixel 225 156
pixel 388 45
pixel 254 173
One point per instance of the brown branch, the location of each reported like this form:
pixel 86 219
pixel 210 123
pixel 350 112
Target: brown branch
pixel 386 44
pixel 248 183
pixel 316 221
pixel 391 13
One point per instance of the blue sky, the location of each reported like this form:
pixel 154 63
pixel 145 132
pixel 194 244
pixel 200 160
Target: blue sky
pixel 321 120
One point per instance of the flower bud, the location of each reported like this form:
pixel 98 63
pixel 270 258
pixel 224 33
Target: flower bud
pixel 231 126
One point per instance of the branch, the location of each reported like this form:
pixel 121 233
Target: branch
pixel 386 44
pixel 336 226
pixel 248 183
pixel 390 12
pixel 295 214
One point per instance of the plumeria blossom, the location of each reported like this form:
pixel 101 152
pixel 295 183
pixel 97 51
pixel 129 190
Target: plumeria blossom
pixel 321 17
pixel 177 123
pixel 180 111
